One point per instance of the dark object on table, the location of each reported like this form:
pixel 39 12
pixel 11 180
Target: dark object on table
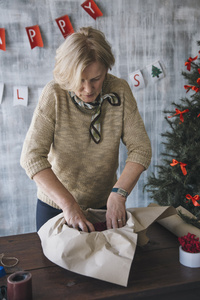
pixel 100 226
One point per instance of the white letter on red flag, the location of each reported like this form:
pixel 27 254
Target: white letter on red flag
pixel 92 9
pixel 65 25
pixel 34 36
pixel 2 39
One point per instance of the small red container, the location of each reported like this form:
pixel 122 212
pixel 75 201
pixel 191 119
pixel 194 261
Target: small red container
pixel 19 286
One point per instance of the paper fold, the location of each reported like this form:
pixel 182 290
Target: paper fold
pixel 177 225
pixel 105 255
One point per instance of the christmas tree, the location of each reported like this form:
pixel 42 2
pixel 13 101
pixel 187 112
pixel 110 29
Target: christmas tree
pixel 177 182
pixel 156 71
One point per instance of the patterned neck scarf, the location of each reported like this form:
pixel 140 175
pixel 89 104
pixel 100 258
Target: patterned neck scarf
pixel 95 107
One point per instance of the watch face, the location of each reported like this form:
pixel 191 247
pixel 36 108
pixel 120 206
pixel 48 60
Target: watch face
pixel 122 192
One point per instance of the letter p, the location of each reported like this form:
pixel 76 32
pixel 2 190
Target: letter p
pixel 31 33
pixel 62 25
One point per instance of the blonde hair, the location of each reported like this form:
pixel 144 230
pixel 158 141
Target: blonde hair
pixel 78 51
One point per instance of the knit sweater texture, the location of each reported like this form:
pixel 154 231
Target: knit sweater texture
pixel 59 138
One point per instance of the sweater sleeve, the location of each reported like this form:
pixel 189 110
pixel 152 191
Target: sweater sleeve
pixel 39 138
pixel 134 135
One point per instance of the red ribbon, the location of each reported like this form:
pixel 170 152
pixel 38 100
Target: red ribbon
pixel 188 63
pixel 182 165
pixel 196 89
pixel 178 112
pixel 193 87
pixel 187 87
pixel 194 199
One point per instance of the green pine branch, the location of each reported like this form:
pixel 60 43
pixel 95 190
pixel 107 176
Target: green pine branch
pixel 192 221
pixel 181 142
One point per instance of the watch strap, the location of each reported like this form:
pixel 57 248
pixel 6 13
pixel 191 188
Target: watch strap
pixel 120 191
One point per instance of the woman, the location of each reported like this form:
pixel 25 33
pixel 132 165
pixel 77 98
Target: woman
pixel 72 146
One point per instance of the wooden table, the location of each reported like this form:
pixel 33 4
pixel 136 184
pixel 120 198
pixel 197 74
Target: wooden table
pixel 155 274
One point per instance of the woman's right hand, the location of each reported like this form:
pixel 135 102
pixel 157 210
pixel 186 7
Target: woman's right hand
pixel 76 219
pixel 54 189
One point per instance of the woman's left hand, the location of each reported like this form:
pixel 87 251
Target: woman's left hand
pixel 116 211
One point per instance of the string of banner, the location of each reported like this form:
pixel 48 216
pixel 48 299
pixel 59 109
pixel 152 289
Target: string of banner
pixel 63 23
pixel 66 28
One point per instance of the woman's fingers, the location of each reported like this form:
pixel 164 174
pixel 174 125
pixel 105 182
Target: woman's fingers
pixel 83 225
pixel 114 221
pixel 86 226
pixel 75 218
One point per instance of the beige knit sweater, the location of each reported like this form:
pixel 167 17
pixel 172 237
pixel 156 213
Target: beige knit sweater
pixel 59 138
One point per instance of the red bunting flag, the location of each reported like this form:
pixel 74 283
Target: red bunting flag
pixel 65 25
pixel 92 9
pixel 2 39
pixel 34 36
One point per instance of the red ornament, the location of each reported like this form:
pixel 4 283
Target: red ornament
pixel 178 112
pixel 194 88
pixel 194 199
pixel 188 63
pixel 182 165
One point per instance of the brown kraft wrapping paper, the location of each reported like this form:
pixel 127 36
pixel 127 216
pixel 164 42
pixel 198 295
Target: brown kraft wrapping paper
pixel 177 225
pixel 105 255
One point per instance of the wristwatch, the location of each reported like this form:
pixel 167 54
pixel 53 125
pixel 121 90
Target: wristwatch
pixel 121 192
